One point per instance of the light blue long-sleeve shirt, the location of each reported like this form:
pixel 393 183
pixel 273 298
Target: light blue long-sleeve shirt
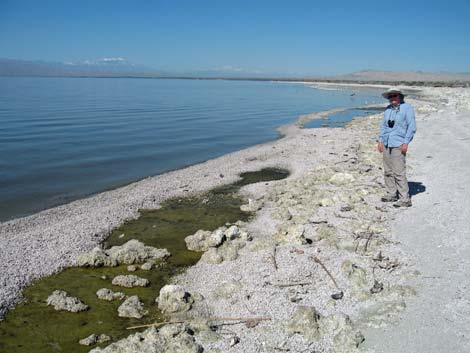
pixel 404 128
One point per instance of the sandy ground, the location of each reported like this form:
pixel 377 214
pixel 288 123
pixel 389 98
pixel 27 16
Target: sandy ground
pixel 430 237
pixel 430 241
pixel 436 233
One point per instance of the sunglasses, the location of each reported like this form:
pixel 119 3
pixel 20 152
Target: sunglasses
pixel 393 96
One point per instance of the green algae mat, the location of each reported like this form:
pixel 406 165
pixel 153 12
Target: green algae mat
pixel 35 327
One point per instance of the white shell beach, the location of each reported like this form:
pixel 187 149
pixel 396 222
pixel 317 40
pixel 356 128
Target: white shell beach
pixel 332 199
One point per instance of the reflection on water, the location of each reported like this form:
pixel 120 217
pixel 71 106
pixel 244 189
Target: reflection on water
pixel 65 138
pixel 342 118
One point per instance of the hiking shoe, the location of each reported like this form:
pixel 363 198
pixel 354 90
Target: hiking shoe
pixel 389 198
pixel 402 203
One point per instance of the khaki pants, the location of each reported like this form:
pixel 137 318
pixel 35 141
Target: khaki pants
pixel 395 173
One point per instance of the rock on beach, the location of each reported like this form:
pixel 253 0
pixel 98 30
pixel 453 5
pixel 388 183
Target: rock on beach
pixel 63 302
pixel 129 253
pixel 94 339
pixel 108 294
pixel 174 299
pixel 169 339
pixel 202 240
pixel 227 252
pixel 345 337
pixel 130 281
pixel 291 233
pixel 146 266
pixel 342 179
pixel 307 322
pixel 235 232
pixel 132 307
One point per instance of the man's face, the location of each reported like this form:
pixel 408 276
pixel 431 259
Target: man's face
pixel 394 98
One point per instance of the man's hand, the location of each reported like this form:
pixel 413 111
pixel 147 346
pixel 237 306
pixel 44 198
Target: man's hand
pixel 380 147
pixel 404 148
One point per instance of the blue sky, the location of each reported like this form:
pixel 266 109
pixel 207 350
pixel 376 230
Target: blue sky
pixel 307 37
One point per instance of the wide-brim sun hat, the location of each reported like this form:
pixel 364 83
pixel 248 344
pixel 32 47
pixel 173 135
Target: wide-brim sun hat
pixel 392 90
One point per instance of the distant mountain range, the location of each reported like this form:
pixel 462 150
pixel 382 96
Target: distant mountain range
pixel 120 67
pixel 101 67
pixel 403 76
pixel 112 67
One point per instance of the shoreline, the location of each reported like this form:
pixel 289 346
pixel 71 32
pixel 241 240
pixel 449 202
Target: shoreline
pixel 78 226
pixel 46 237
pixel 283 130
pixel 23 204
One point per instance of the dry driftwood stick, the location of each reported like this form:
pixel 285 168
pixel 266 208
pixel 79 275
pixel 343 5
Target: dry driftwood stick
pixel 347 217
pixel 368 241
pixel 369 235
pixel 157 324
pixel 347 160
pixel 357 240
pixel 318 222
pixel 241 319
pixel 318 261
pixel 283 285
pixel 274 257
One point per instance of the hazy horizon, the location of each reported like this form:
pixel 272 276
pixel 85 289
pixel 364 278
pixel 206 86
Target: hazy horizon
pixel 125 66
pixel 262 38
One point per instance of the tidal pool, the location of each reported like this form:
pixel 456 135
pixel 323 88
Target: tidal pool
pixel 35 327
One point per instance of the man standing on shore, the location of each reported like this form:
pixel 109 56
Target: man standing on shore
pixel 396 132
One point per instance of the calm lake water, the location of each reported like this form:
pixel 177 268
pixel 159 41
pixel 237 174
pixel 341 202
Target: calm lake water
pixel 65 138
